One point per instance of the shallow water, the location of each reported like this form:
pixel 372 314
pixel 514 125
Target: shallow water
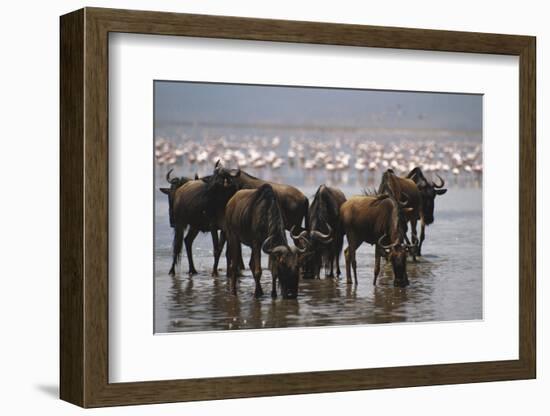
pixel 445 284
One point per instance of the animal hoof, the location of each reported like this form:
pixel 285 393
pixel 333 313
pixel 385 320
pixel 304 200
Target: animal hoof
pixel 172 272
pixel 192 272
pixel 214 274
pixel 274 294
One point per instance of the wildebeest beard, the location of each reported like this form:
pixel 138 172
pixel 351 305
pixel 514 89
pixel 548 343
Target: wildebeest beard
pixel 322 212
pixel 284 264
pixel 288 276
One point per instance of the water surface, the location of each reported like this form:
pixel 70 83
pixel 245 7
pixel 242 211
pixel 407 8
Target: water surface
pixel 445 284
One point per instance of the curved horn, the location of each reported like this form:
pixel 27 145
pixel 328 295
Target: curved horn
pixel 168 176
pixel 264 245
pixel 306 242
pixel 324 238
pixel 441 180
pixel 217 164
pixel 383 246
pixel 405 201
pixel 297 236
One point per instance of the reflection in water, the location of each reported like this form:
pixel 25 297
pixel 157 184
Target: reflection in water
pixel 446 283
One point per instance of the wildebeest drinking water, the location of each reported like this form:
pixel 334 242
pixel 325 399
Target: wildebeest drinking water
pixel 378 220
pixel 325 233
pixel 253 217
pixel 405 191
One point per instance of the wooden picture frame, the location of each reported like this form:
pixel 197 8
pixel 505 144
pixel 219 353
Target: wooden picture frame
pixel 84 207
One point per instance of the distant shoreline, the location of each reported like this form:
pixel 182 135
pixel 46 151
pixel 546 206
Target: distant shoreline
pixel 314 127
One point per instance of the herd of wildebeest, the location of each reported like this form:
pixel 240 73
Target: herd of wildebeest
pixel 238 208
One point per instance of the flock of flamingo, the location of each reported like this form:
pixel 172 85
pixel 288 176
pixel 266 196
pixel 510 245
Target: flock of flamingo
pixel 337 157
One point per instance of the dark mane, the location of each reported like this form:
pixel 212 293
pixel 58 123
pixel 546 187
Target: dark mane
pixel 246 173
pixel 370 192
pixel 270 218
pixel 398 218
pixel 390 185
pixel 379 196
pixel 317 210
pixel 322 209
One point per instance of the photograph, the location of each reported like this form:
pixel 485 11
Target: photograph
pixel 294 206
pixel 271 206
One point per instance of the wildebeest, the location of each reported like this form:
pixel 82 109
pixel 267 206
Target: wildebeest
pixel 294 204
pixel 325 233
pixel 175 183
pixel 253 217
pixel 428 190
pixel 404 190
pixel 378 220
pixel 199 205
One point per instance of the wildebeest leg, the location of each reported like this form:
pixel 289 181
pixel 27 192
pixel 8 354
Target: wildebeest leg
pixel 316 267
pixel 354 265
pixel 176 247
pixel 414 238
pixel 189 238
pixel 338 252
pixel 331 261
pixel 241 262
pixel 231 254
pixel 377 255
pixel 216 245
pixel 348 266
pixel 422 236
pixel 349 253
pixel 256 267
pixel 273 282
pixel 218 254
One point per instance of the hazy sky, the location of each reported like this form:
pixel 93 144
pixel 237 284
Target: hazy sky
pixel 238 103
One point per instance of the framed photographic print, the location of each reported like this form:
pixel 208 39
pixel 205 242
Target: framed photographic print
pixel 255 207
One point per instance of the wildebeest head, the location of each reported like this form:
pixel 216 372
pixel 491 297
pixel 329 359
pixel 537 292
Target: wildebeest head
pixel 396 253
pixel 429 190
pixel 311 241
pixel 285 262
pixel 175 183
pixel 223 177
